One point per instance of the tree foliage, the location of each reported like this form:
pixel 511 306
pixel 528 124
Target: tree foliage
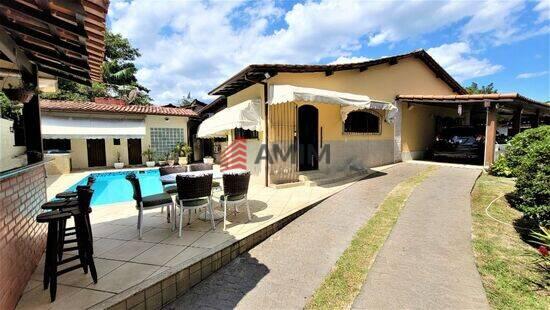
pixel 485 89
pixel 119 76
pixel 9 109
pixel 186 101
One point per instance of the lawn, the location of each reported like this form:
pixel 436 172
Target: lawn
pixel 342 285
pixel 507 271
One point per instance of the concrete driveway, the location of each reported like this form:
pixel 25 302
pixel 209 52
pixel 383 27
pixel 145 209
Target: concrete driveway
pixel 428 250
pixel 427 261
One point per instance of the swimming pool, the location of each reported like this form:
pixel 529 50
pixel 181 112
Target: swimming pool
pixel 112 187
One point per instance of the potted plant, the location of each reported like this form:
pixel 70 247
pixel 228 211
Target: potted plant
pixel 182 150
pixel 170 158
pixel 208 160
pixel 161 159
pixel 23 94
pixel 148 153
pixel 118 164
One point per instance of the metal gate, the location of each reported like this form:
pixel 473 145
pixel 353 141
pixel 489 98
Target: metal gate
pixel 282 143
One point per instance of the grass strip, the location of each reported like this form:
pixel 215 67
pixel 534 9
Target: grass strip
pixel 509 276
pixel 341 286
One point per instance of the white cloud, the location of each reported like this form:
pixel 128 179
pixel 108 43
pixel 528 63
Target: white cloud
pixel 193 45
pixel 530 75
pixel 543 8
pixel 347 60
pixel 457 58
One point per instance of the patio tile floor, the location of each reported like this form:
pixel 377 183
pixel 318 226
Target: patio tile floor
pixel 123 261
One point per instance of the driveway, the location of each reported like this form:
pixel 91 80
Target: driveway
pixel 427 261
pixel 285 269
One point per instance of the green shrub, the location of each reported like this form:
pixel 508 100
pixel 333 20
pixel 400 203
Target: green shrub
pixel 500 167
pixel 520 144
pixel 533 181
pixel 8 109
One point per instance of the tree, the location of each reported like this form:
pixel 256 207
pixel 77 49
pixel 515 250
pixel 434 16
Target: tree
pixel 8 109
pixel 119 76
pixel 486 89
pixel 186 101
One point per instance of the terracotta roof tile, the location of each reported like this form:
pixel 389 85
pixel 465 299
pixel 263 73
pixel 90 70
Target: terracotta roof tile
pixel 83 106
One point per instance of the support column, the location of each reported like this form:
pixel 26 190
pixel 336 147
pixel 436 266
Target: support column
pixel 31 118
pixel 536 120
pixel 490 133
pixel 516 122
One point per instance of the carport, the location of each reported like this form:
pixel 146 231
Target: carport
pixel 513 109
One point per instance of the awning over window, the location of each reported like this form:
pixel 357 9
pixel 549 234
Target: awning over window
pixel 245 115
pixel 55 127
pixel 349 102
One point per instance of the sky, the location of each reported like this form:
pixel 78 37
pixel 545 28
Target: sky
pixel 193 46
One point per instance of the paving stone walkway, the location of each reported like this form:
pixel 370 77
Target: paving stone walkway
pixel 284 271
pixel 427 261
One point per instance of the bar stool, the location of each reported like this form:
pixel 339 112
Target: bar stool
pixel 72 195
pixel 71 206
pixel 56 241
pixel 54 220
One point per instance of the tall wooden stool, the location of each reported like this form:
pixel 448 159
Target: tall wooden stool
pixel 56 241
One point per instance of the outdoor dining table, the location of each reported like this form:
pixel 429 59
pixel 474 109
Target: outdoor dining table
pixel 216 175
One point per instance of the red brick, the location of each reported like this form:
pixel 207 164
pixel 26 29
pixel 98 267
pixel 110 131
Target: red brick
pixel 22 240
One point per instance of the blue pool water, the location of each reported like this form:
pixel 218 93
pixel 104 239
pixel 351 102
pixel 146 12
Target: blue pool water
pixel 112 187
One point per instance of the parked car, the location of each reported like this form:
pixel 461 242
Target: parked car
pixel 459 143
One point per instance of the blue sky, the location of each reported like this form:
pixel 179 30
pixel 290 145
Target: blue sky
pixel 191 46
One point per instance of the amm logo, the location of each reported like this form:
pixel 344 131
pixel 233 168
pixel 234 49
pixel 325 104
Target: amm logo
pixel 234 156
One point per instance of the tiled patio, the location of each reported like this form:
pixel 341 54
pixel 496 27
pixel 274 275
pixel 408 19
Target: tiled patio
pixel 123 261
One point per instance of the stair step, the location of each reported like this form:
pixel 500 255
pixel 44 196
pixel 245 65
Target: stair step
pixel 311 176
pixel 330 179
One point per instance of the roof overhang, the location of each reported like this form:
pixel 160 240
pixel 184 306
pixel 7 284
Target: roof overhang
pixel 256 73
pixel 55 127
pixel 63 38
pixel 507 102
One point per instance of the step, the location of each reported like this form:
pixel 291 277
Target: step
pixel 311 175
pixel 340 177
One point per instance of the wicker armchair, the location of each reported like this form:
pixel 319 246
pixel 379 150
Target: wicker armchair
pixel 147 202
pixel 194 192
pixel 172 169
pixel 200 167
pixel 235 190
pixel 168 187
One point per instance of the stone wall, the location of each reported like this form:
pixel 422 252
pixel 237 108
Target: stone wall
pixel 22 239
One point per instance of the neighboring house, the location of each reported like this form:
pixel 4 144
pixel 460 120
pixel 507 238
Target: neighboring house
pixel 196 105
pixel 213 107
pixel 93 133
pixel 352 109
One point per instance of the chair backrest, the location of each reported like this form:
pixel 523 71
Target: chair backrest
pixel 85 194
pixel 135 185
pixel 172 169
pixel 194 186
pixel 91 181
pixel 235 182
pixel 200 167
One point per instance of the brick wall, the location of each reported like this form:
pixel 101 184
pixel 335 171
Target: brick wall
pixel 22 240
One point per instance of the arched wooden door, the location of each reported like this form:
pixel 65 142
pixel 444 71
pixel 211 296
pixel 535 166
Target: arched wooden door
pixel 308 140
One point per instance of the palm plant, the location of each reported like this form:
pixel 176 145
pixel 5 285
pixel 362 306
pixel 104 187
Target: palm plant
pixel 149 154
